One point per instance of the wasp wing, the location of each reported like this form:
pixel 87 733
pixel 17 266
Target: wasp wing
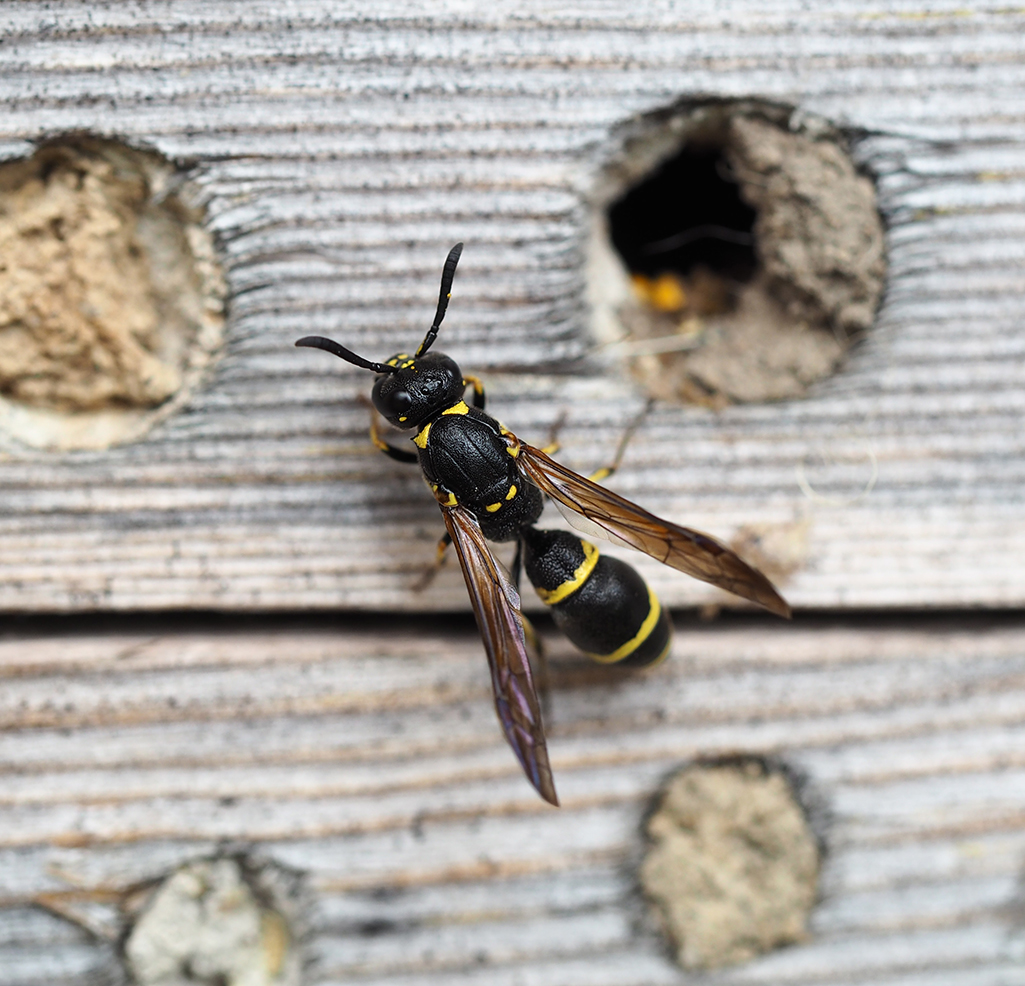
pixel 596 510
pixel 496 605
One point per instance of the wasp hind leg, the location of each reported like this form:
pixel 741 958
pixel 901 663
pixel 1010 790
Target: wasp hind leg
pixel 431 572
pixel 534 645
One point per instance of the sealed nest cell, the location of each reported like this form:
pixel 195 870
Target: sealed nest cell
pixel 732 863
pixel 738 253
pixel 111 300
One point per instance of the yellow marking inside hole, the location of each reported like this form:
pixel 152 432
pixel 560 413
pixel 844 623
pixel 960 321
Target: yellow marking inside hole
pixel 511 493
pixel 459 408
pixel 654 612
pixel 583 571
pixel 492 507
pixel 421 438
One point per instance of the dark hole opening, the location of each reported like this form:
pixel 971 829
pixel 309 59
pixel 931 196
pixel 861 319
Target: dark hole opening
pixel 686 214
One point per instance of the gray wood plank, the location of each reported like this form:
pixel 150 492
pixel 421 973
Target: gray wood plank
pixel 370 760
pixel 340 152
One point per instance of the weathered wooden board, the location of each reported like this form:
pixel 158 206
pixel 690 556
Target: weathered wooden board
pixel 372 761
pixel 341 149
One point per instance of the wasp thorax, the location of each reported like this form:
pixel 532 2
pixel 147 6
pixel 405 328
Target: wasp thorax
pixel 420 388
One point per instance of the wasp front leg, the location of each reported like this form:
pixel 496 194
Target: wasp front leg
pixel 398 454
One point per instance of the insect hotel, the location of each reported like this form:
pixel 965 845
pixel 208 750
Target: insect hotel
pixel 743 289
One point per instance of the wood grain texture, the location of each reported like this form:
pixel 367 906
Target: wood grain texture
pixel 341 150
pixel 371 761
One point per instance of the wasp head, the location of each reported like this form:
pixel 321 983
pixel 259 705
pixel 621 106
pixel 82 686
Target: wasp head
pixel 418 388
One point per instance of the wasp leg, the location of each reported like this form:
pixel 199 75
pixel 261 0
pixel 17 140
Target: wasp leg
pixel 534 644
pixel 598 475
pixel 478 391
pixel 432 570
pixel 540 662
pixel 398 454
pixel 554 445
pixel 517 565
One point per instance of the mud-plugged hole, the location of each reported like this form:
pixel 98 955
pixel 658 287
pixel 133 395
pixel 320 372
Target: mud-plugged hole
pixel 111 297
pixel 229 921
pixel 732 862
pixel 737 252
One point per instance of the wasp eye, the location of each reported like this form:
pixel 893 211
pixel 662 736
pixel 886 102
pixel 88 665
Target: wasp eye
pixel 399 401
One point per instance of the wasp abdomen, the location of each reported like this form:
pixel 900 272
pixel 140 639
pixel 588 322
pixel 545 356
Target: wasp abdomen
pixel 602 604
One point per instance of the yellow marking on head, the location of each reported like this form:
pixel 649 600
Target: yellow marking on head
pixel 492 507
pixel 511 493
pixel 583 572
pixel 403 418
pixel 459 408
pixel 421 438
pixel 650 621
pixel 407 364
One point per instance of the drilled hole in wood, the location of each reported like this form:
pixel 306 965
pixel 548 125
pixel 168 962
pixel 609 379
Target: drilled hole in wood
pixel 737 253
pixel 732 863
pixel 111 297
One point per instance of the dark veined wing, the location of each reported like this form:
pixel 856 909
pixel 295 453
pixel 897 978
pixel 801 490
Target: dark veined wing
pixel 618 520
pixel 496 604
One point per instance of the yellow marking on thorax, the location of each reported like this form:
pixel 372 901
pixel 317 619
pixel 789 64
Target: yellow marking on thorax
pixel 654 612
pixel 421 437
pixel 459 408
pixel 448 500
pixel 583 571
pixel 513 443
pixel 492 507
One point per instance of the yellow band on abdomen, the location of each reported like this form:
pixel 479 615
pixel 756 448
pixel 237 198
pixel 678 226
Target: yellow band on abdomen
pixel 552 596
pixel 650 621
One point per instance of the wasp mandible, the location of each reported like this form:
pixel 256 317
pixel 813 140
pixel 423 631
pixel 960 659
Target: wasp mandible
pixel 491 487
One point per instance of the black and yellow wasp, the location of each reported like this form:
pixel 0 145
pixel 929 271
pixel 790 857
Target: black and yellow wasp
pixel 491 486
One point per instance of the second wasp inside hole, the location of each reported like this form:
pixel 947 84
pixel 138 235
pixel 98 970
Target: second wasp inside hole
pixel 737 254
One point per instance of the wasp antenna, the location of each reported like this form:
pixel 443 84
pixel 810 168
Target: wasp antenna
pixel 330 346
pixel 448 272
